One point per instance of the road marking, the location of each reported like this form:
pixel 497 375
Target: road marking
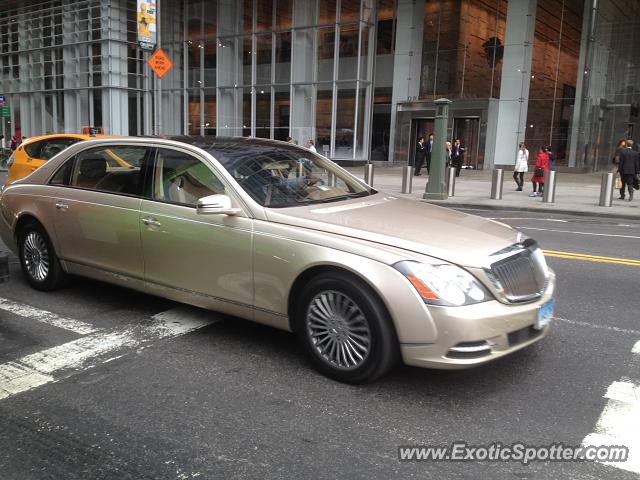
pixel 619 421
pixel 580 233
pixel 601 327
pixel 592 258
pixel 64 360
pixel 44 316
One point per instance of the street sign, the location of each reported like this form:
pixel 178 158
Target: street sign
pixel 160 63
pixel 2 100
pixel 5 112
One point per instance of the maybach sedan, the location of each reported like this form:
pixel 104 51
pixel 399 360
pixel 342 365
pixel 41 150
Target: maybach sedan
pixel 271 232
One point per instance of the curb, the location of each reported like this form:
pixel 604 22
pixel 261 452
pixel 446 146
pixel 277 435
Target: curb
pixel 444 203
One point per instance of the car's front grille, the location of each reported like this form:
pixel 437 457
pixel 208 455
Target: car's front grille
pixel 521 276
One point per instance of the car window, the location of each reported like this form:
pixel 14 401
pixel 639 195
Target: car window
pixel 50 148
pixel 183 178
pixel 104 169
pixel 33 149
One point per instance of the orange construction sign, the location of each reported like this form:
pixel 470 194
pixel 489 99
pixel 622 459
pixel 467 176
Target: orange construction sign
pixel 160 63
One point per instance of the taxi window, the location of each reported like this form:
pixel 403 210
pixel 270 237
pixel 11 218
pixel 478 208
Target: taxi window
pixel 51 148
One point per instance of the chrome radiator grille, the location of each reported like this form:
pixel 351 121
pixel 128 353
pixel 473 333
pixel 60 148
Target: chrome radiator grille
pixel 521 276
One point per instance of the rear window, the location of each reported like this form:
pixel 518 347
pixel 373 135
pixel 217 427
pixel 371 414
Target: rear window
pixel 53 147
pixel 33 149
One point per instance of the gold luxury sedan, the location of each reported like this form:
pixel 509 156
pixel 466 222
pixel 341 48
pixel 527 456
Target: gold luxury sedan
pixel 271 232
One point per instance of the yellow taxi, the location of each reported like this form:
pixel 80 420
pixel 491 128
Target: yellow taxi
pixel 36 151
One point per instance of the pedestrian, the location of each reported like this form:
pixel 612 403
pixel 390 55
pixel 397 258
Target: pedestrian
pixel 428 151
pixel 629 168
pixel 522 166
pixel 289 140
pixel 622 144
pixel 448 154
pixel 457 156
pixel 540 169
pixel 13 143
pixel 311 146
pixel 552 158
pixel 418 159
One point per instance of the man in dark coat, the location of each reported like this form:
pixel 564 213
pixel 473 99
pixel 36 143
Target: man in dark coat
pixel 420 153
pixel 457 156
pixel 629 169
pixel 428 149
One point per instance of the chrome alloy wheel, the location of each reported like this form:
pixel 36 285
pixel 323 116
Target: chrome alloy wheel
pixel 338 330
pixel 36 256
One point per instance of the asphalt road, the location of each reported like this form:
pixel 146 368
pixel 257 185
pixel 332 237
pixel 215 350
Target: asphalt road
pixel 237 400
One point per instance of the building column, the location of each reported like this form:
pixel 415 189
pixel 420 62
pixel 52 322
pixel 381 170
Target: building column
pixel 171 29
pixel 115 96
pixel 407 59
pixel 303 57
pixel 514 87
pixel 75 66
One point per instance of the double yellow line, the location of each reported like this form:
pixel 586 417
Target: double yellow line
pixel 592 258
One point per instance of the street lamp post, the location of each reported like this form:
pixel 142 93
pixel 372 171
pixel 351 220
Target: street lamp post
pixel 437 187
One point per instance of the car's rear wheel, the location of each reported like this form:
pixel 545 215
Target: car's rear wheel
pixel 346 329
pixel 39 261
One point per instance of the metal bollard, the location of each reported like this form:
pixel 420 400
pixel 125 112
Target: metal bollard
pixel 549 195
pixel 497 184
pixel 451 181
pixel 606 189
pixel 407 179
pixel 368 174
pixel 4 267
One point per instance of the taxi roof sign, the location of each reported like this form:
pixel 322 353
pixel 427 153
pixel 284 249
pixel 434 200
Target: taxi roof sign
pixel 160 63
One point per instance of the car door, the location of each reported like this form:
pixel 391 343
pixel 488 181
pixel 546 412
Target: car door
pixel 97 213
pixel 204 259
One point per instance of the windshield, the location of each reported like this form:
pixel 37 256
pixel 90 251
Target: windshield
pixel 282 176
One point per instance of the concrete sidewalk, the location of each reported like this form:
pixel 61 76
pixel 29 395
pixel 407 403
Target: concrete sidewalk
pixel 576 193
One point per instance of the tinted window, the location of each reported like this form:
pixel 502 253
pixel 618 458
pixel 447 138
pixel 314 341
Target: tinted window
pixel 50 148
pixel 182 178
pixel 105 169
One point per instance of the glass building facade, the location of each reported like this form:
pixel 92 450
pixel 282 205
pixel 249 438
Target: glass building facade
pixel 358 77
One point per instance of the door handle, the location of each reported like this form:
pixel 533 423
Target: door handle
pixel 151 222
pixel 62 206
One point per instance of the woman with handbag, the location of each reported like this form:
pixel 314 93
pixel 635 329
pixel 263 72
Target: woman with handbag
pixel 541 167
pixel 521 167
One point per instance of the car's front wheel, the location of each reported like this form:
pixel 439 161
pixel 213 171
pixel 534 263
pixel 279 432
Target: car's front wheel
pixel 346 329
pixel 39 261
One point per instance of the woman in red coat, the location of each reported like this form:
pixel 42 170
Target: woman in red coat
pixel 540 169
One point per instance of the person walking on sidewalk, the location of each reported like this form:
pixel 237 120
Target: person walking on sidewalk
pixel 457 156
pixel 539 171
pixel 522 166
pixel 629 169
pixel 428 150
pixel 622 144
pixel 419 157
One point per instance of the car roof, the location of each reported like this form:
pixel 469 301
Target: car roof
pixel 79 136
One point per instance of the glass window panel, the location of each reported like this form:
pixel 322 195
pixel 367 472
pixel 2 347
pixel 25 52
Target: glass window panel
pixel 264 15
pixel 228 58
pixel 323 118
pixel 447 76
pixel 247 14
pixel 209 111
pixel 364 52
pixel 283 14
pixel 194 112
pixel 327 12
pixel 326 44
pixel 281 112
pixel 263 59
pixel 349 10
pixel 247 58
pixel 246 110
pixel 210 21
pixel 194 19
pixel 283 57
pixel 263 112
pixel 347 67
pixel 360 146
pixel 194 49
pixel 210 58
pixel 367 11
pixel 345 120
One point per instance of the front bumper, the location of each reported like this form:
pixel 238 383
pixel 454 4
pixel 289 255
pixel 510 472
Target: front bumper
pixel 486 331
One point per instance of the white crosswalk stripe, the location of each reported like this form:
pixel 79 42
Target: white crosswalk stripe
pixel 47 317
pixel 60 362
pixel 619 422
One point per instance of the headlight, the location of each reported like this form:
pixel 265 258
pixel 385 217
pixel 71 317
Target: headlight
pixel 443 283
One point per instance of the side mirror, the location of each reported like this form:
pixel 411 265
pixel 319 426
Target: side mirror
pixel 216 204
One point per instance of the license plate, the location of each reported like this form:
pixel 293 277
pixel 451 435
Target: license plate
pixel 545 315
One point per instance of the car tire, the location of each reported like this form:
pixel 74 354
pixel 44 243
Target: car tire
pixel 39 261
pixel 345 329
